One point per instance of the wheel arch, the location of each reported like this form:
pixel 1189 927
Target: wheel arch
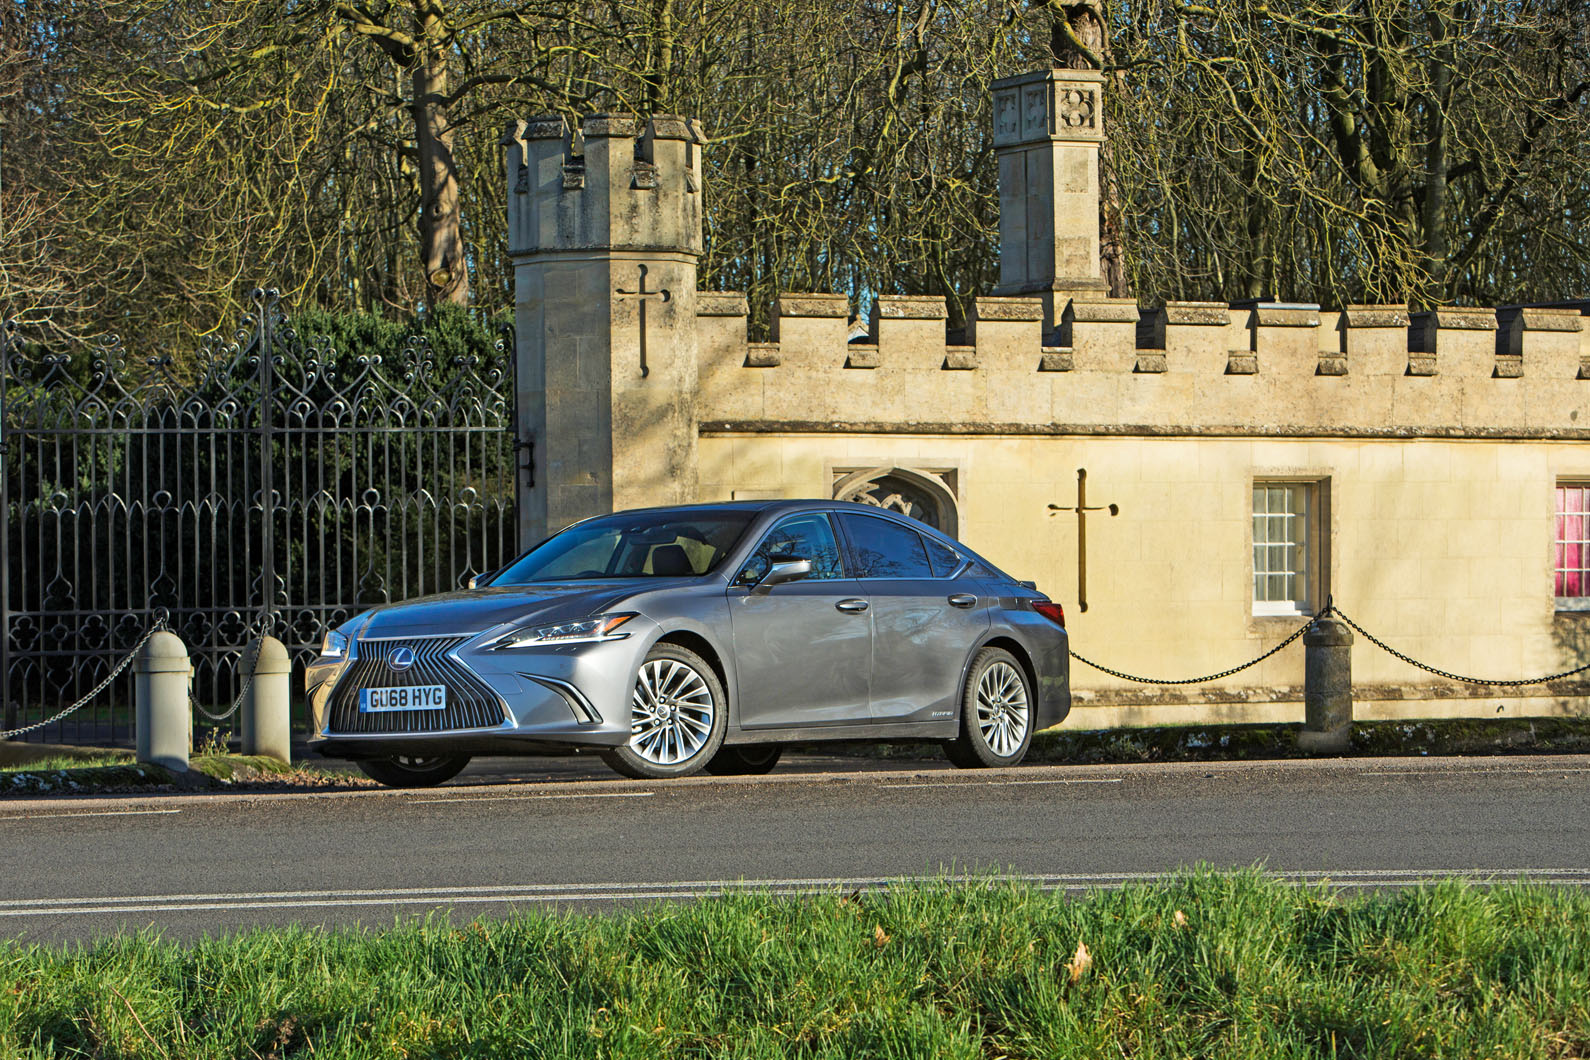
pixel 1023 658
pixel 693 641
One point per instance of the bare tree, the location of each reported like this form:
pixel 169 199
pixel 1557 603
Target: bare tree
pixel 168 153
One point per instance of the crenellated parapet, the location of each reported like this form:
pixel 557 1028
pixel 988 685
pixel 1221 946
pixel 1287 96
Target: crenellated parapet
pixel 1255 368
pixel 617 182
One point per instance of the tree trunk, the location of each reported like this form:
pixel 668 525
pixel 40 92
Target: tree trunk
pixel 659 58
pixel 441 217
pixel 1437 159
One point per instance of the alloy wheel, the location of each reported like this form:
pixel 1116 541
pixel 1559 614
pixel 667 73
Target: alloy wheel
pixel 672 711
pixel 1002 708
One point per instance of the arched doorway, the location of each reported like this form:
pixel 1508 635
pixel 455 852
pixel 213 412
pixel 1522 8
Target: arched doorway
pixel 922 494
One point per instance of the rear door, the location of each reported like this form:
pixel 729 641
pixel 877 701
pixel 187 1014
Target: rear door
pixel 802 650
pixel 924 621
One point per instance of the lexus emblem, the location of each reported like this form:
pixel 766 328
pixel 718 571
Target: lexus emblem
pixel 400 659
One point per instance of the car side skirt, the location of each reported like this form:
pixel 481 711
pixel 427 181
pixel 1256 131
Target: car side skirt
pixel 916 730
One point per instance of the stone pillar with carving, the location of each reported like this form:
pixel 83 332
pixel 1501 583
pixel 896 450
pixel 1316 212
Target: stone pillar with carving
pixel 1048 126
pixel 604 230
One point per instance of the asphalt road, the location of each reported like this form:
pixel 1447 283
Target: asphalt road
pixel 203 864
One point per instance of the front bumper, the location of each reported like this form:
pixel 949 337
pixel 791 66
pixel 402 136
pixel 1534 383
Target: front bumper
pixel 531 700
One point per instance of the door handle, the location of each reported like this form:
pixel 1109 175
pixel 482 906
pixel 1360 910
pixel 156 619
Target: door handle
pixel 963 600
pixel 853 606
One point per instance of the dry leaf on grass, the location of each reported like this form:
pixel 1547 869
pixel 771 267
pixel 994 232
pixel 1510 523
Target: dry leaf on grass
pixel 1080 963
pixel 879 936
pixel 1180 918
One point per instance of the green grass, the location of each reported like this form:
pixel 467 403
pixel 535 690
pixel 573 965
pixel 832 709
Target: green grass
pixel 51 763
pixel 119 773
pixel 1256 970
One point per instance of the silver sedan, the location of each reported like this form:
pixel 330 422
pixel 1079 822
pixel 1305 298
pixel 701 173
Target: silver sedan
pixel 669 640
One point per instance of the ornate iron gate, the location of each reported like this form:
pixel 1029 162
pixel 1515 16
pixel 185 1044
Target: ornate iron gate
pixel 275 484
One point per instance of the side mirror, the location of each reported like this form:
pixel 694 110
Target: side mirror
pixel 784 570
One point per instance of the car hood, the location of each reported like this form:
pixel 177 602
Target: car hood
pixel 471 611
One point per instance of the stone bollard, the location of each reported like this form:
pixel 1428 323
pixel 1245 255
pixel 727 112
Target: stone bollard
pixel 1327 688
pixel 163 721
pixel 266 729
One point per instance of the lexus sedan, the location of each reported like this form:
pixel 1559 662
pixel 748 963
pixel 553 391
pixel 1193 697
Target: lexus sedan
pixel 671 640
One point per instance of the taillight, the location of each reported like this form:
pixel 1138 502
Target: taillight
pixel 1052 611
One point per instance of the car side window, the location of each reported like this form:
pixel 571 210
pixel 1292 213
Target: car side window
pixel 944 560
pixel 883 548
pixel 809 537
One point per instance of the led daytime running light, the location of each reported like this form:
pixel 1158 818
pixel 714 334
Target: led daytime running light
pixel 602 627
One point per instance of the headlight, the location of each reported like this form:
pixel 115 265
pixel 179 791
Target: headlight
pixel 335 646
pixel 602 627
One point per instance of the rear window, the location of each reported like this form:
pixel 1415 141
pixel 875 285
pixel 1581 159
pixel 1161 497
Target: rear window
pixel 945 560
pixel 885 549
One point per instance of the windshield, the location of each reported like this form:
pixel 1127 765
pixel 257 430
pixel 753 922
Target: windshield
pixel 632 545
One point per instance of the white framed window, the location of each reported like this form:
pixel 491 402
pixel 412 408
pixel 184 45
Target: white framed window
pixel 1288 546
pixel 1572 553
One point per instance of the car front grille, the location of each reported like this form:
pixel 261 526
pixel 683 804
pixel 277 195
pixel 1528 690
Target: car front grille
pixel 471 704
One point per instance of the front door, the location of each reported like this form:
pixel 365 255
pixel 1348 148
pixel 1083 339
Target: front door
pixel 924 622
pixel 802 650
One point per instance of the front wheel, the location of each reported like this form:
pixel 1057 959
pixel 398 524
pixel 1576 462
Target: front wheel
pixel 413 771
pixel 678 715
pixel 996 713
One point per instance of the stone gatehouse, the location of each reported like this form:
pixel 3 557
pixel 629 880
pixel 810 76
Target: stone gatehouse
pixel 1190 480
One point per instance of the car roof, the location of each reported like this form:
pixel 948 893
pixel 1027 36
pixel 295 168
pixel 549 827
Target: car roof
pixel 735 506
pixel 782 505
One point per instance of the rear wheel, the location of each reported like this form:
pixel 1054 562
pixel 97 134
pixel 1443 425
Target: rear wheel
pixel 413 771
pixel 997 713
pixel 747 760
pixel 678 715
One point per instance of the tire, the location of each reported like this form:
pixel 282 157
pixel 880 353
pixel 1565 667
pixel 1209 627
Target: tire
pixel 997 713
pixel 678 715
pixel 748 760
pixel 413 771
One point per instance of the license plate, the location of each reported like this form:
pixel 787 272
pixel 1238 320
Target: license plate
pixel 414 697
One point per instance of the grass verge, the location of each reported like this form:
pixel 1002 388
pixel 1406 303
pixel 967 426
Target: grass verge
pixel 117 772
pixel 1237 966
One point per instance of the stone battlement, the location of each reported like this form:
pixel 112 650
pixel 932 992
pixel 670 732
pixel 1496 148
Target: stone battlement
pixel 618 182
pixel 1111 367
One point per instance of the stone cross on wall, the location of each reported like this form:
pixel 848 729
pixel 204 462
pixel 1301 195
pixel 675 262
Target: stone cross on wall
pixel 1082 509
pixel 641 293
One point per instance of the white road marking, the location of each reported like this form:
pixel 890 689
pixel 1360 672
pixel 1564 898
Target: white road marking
pixel 550 894
pixel 1008 783
pixel 87 813
pixel 532 798
pixel 1439 772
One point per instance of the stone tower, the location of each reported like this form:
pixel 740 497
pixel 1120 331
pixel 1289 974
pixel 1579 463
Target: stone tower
pixel 604 230
pixel 1047 129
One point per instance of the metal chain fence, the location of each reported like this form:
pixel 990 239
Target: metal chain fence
pixel 1330 608
pixel 159 625
pixel 257 641
pixel 1210 677
pixel 1388 649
